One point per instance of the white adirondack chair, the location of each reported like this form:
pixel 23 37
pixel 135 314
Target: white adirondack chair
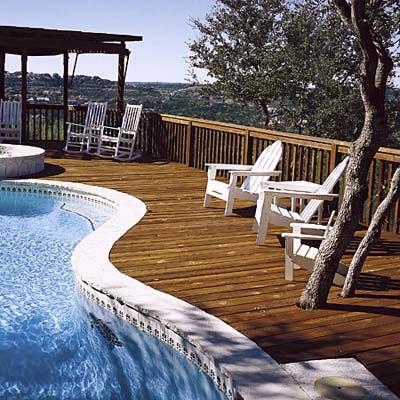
pixel 119 143
pixel 85 137
pixel 255 175
pixel 267 212
pixel 10 121
pixel 301 255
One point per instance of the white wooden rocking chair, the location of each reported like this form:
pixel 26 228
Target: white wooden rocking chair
pixel 267 212
pixel 10 121
pixel 255 175
pixel 301 255
pixel 119 143
pixel 85 137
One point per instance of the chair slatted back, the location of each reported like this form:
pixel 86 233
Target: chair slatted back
pixel 10 120
pixel 95 115
pixel 130 121
pixel 326 187
pixel 267 161
pixel 10 113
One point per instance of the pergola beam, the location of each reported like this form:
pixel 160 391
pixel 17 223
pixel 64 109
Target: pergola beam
pixel 42 33
pixel 58 46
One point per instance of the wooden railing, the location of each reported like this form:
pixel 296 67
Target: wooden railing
pixel 195 142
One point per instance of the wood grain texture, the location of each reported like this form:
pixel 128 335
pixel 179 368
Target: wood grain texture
pixel 213 262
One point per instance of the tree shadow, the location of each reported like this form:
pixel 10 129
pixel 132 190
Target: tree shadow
pixel 383 247
pixel 391 311
pixel 376 283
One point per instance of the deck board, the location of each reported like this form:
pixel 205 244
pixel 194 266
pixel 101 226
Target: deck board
pixel 214 263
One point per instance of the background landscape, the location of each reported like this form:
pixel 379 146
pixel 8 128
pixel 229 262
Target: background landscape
pixel 169 98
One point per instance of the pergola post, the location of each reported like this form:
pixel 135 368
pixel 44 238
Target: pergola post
pixel 121 84
pixel 24 91
pixel 65 95
pixel 2 73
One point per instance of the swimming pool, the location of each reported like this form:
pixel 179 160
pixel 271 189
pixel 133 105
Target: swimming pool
pixel 56 344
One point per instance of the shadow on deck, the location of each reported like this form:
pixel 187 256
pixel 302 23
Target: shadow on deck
pixel 214 263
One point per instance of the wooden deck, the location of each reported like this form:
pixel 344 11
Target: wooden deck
pixel 214 263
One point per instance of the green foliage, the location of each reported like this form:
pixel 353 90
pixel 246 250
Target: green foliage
pixel 238 44
pixel 321 68
pixel 295 59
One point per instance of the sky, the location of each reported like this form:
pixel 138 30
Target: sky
pixel 164 25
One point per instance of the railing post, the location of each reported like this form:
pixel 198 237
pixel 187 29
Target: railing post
pixel 247 148
pixel 189 145
pixel 149 120
pixel 334 154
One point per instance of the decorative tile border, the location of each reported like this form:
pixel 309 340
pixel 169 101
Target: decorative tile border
pixel 31 187
pixel 238 367
pixel 156 328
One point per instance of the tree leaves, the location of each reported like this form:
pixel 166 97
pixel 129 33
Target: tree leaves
pixel 294 58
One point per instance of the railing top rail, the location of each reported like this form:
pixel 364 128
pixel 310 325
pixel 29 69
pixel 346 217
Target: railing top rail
pixel 44 106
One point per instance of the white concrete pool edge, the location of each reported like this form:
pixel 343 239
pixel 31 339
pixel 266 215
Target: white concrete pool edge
pixel 236 364
pixel 20 160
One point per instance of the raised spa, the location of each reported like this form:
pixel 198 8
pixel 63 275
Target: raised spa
pixel 19 160
pixel 56 344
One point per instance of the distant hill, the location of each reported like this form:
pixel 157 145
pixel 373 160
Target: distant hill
pixel 171 98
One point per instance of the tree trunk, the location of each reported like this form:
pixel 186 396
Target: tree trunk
pixel 333 247
pixel 373 233
pixel 375 67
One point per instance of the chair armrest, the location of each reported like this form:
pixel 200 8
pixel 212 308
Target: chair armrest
pixel 300 195
pixel 298 186
pixel 302 236
pixel 75 124
pixel 302 225
pixel 255 173
pixel 230 166
pixel 111 127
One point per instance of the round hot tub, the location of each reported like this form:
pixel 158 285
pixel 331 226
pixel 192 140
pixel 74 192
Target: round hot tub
pixel 17 160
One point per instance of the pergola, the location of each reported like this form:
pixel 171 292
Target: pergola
pixel 28 42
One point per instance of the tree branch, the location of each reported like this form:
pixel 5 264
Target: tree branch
pixel 371 236
pixel 344 12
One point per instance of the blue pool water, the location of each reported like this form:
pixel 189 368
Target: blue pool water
pixel 56 344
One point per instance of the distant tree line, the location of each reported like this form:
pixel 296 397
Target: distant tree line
pixel 171 98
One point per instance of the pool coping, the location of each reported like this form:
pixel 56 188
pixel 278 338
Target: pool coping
pixel 238 367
